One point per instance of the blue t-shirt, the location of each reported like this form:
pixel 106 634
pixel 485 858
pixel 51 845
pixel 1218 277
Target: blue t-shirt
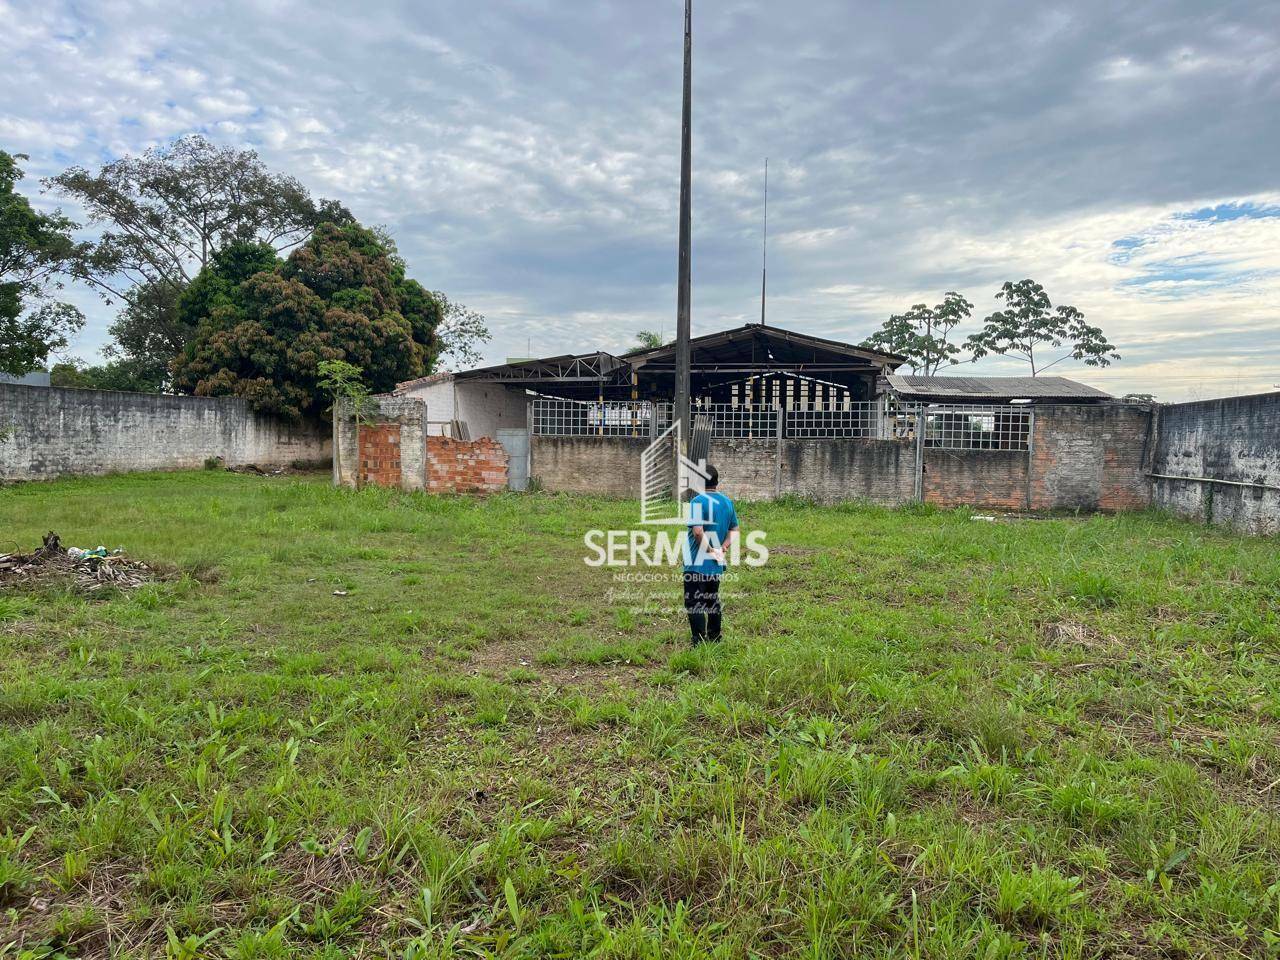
pixel 714 513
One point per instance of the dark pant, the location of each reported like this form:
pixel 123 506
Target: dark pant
pixel 702 603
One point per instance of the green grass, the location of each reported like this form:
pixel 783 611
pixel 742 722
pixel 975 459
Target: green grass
pixel 923 736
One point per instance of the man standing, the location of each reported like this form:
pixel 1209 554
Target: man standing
pixel 713 523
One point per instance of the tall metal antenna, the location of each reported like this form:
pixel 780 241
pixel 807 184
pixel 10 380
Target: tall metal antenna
pixel 686 176
pixel 764 244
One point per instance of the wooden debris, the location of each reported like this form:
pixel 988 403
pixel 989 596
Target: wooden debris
pixel 88 572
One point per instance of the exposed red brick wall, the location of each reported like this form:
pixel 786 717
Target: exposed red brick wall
pixel 465 466
pixel 380 454
pixel 1091 458
pixel 989 479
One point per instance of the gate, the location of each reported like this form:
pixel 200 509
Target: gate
pixel 515 441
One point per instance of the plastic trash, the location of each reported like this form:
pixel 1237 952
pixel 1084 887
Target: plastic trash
pixel 80 553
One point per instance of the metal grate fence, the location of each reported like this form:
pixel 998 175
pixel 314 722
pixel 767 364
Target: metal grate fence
pixel 949 427
pixel 740 421
pixel 978 428
pixel 578 418
pixel 865 420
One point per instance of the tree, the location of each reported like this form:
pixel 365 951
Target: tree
pixel 461 332
pixel 1139 398
pixel 343 382
pixel 648 340
pixel 147 332
pixel 1030 322
pixel 35 248
pixel 922 334
pixel 166 214
pixel 129 375
pixel 264 326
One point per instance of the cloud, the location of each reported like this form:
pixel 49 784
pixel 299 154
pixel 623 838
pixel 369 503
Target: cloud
pixel 525 156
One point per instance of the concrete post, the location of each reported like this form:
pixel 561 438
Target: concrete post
pixel 920 423
pixel 777 456
pixel 1031 451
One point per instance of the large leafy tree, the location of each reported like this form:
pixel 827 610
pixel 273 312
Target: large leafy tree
pixel 923 333
pixel 35 249
pixel 121 374
pixel 1032 329
pixel 263 327
pixel 165 215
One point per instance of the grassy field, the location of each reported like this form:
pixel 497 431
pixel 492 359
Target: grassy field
pixel 379 724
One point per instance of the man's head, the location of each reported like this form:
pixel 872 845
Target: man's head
pixel 713 478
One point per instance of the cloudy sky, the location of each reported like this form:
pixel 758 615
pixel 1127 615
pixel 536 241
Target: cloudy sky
pixel 525 154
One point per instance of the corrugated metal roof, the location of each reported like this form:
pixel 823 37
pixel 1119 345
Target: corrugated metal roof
pixel 996 388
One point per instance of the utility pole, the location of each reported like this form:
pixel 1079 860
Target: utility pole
pixel 686 175
pixel 764 245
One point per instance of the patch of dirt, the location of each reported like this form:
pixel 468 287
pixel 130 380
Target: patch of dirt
pixel 498 660
pixel 1074 633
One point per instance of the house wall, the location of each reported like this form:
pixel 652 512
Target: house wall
pixel 55 431
pixel 440 406
pixel 484 407
pixel 1234 439
pixel 488 407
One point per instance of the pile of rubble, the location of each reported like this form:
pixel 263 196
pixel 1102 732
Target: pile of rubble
pixel 87 570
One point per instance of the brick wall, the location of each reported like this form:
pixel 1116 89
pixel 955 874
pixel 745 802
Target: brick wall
pixel 1082 457
pixel 989 479
pixel 831 471
pixel 380 454
pixel 408 415
pixel 1090 458
pixel 465 466
pixel 53 432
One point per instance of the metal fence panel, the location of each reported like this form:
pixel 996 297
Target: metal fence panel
pixel 957 427
pixel 850 420
pixel 579 418
pixel 978 427
pixel 740 421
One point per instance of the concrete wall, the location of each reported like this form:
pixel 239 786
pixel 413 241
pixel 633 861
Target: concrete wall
pixel 749 467
pixel 1082 458
pixel 828 471
pixel 55 431
pixel 1234 439
pixel 484 407
pixel 605 466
